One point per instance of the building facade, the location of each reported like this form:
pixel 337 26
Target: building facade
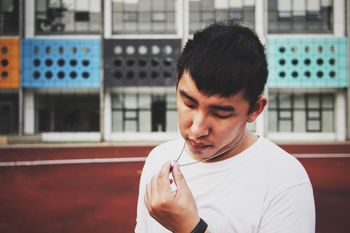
pixel 104 70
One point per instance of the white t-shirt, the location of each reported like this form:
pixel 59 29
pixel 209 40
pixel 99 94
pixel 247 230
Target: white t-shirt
pixel 263 189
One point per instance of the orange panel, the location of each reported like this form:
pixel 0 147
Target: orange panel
pixel 9 63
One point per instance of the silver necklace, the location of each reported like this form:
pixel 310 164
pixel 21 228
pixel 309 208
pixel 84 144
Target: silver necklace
pixel 210 157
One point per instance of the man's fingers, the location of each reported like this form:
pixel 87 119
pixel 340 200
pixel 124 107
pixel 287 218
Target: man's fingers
pixel 178 177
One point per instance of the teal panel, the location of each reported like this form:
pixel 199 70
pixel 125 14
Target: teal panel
pixel 308 62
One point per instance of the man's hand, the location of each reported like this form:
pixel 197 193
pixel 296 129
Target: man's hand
pixel 175 210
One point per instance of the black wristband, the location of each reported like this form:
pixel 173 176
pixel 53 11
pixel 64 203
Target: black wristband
pixel 200 227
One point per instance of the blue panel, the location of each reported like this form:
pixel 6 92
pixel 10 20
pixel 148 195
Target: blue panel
pixel 66 63
pixel 308 62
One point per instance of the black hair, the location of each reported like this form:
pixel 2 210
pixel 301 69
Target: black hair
pixel 225 58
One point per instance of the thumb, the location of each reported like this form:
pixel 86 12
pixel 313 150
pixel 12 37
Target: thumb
pixel 178 177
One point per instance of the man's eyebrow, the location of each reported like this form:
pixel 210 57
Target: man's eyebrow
pixel 184 94
pixel 225 108
pixel 219 107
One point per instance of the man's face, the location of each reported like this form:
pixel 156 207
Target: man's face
pixel 208 124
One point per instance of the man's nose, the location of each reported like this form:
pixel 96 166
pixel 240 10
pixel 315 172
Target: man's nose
pixel 200 126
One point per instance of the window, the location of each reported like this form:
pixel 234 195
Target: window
pixel 143 17
pixel 8 113
pixel 309 112
pixel 67 17
pixel 144 112
pixel 67 113
pixel 203 12
pixel 9 17
pixel 300 16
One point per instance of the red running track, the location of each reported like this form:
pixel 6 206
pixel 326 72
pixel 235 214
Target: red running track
pixel 100 195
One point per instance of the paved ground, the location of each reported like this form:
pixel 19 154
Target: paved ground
pixel 94 188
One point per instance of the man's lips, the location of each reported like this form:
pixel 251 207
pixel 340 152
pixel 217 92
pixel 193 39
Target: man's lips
pixel 197 146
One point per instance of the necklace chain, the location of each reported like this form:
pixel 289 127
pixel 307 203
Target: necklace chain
pixel 213 156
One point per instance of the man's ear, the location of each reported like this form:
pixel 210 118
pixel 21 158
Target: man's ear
pixel 258 108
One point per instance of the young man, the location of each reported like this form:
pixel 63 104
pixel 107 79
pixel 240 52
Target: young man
pixel 225 179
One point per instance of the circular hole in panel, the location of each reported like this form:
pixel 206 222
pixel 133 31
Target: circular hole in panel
pixel 118 62
pixel 307 74
pixel 118 49
pixel 130 50
pixel 167 50
pixel 130 74
pixel 61 74
pixel 294 74
pixel 319 61
pixel 48 62
pixel 86 74
pixel 142 50
pixel 282 49
pixel 168 61
pixel 86 50
pixel 282 62
pixel 130 62
pixel 36 74
pixel 36 50
pixel 295 62
pixel 4 62
pixel 332 74
pixel 282 74
pixel 155 61
pixel 48 74
pixel 61 62
pixel 294 49
pixel 143 74
pixel 48 49
pixel 307 49
pixel 155 49
pixel 61 49
pixel 320 49
pixel 73 50
pixel 85 62
pixel 332 48
pixel 332 61
pixel 307 61
pixel 319 74
pixel 4 74
pixel 73 62
pixel 154 74
pixel 118 75
pixel 142 62
pixel 36 62
pixel 4 50
pixel 73 74
pixel 167 74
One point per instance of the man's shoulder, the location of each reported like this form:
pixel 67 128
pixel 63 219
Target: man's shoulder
pixel 166 150
pixel 281 165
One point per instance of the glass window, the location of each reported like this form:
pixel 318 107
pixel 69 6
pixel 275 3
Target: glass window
pixel 67 113
pixel 300 16
pixel 8 113
pixel 67 17
pixel 9 17
pixel 203 12
pixel 302 112
pixel 144 112
pixel 143 16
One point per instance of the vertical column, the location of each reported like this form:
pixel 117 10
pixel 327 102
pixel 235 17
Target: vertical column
pixel 107 116
pixel 339 17
pixel 261 29
pixel 29 8
pixel 340 116
pixel 29 112
pixel 107 18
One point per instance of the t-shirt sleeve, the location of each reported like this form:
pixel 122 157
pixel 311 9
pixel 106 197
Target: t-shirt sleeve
pixel 292 210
